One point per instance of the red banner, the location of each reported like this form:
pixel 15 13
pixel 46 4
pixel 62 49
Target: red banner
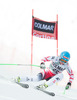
pixel 44 29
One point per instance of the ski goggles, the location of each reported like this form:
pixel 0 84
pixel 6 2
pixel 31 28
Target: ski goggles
pixel 63 60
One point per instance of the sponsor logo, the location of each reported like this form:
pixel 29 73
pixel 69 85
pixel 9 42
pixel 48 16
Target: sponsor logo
pixel 58 67
pixel 65 57
pixel 42 35
pixel 58 78
pixel 44 26
pixel 54 81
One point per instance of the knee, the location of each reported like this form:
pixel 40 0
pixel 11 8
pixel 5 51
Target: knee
pixel 60 76
pixel 40 76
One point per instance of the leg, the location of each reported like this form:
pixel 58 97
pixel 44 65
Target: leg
pixel 36 78
pixel 47 74
pixel 55 79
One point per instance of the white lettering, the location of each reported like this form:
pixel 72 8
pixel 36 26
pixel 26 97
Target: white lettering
pixel 52 27
pixel 44 26
pixel 42 36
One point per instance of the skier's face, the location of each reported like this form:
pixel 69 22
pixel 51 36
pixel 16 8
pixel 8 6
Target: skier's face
pixel 62 63
pixel 63 60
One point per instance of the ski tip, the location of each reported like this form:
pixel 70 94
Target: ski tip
pixel 26 86
pixel 53 94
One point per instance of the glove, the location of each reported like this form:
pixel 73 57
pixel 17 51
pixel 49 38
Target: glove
pixel 42 65
pixel 42 86
pixel 68 85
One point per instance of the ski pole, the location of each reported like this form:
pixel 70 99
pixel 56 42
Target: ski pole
pixel 64 91
pixel 67 87
pixel 22 65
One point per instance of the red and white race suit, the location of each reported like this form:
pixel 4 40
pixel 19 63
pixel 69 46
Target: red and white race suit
pixel 55 69
pixel 53 73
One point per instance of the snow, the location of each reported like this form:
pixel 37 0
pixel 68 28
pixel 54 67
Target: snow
pixel 12 91
pixel 15 45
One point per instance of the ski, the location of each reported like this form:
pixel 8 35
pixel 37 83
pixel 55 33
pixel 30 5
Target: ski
pixel 11 80
pixel 47 92
pixel 27 86
pixel 23 85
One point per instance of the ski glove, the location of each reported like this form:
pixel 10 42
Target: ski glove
pixel 42 65
pixel 68 85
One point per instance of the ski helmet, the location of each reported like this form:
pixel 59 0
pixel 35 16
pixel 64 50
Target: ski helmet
pixel 65 56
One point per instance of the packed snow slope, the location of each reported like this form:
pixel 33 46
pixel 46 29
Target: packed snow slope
pixel 12 91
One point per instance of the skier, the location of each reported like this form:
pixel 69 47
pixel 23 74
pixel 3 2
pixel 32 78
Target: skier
pixel 53 73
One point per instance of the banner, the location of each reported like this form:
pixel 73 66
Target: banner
pixel 44 29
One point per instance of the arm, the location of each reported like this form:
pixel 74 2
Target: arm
pixel 71 77
pixel 49 58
